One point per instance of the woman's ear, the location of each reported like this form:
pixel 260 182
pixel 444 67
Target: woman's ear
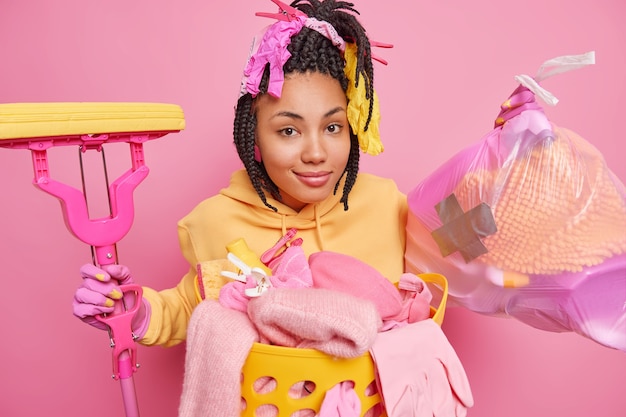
pixel 257 153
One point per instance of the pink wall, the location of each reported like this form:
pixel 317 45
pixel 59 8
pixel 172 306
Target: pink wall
pixel 452 65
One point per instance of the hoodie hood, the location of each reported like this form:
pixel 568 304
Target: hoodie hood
pixel 310 217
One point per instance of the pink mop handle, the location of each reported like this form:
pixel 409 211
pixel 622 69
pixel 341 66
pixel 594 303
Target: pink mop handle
pixel 102 234
pixel 124 347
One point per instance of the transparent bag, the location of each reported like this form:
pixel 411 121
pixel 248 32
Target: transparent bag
pixel 529 223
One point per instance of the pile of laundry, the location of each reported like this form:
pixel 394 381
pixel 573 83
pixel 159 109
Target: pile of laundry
pixel 342 307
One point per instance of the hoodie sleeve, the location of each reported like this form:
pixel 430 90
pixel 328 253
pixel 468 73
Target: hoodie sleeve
pixel 172 307
pixel 170 312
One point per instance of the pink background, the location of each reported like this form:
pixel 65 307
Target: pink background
pixel 452 65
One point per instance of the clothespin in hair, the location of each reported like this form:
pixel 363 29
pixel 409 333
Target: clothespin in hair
pixel 286 13
pixel 377 44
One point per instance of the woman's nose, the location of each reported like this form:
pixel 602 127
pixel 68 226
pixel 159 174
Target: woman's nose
pixel 314 150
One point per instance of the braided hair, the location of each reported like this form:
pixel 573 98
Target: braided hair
pixel 310 52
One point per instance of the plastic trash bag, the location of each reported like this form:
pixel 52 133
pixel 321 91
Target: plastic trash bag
pixel 528 223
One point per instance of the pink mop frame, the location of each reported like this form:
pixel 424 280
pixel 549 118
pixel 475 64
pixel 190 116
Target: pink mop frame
pixel 102 233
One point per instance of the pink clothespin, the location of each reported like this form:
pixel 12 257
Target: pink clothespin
pixel 270 256
pixel 286 13
pixel 377 44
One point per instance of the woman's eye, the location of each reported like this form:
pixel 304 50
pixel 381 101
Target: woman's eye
pixel 334 128
pixel 288 131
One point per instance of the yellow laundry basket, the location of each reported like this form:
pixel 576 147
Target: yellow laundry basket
pixel 283 369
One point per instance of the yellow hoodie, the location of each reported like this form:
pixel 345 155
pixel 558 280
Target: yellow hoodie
pixel 372 230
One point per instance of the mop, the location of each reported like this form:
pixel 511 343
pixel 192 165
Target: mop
pixel 40 126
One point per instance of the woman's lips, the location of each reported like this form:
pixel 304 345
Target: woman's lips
pixel 314 179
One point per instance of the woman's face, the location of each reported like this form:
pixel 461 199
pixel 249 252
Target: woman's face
pixel 304 137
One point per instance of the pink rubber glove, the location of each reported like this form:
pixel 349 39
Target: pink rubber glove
pixel 419 372
pixel 100 290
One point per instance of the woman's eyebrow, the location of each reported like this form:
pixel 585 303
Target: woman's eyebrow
pixel 292 115
pixel 289 114
pixel 334 111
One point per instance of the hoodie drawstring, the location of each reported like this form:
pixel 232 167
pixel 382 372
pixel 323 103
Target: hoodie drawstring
pixel 318 227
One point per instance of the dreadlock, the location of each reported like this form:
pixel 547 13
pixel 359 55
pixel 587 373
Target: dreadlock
pixel 310 52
